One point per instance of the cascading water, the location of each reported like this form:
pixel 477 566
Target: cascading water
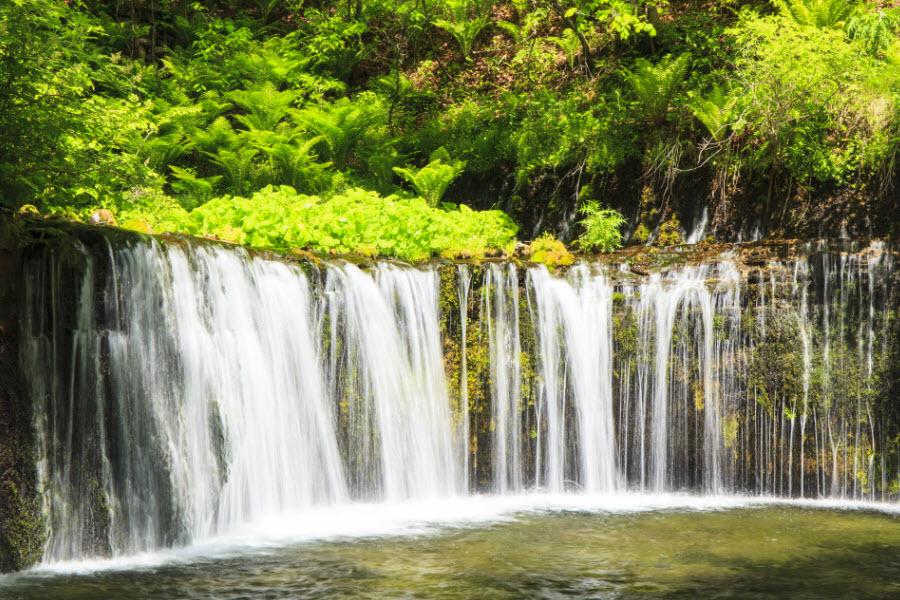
pixel 464 279
pixel 201 366
pixel 574 318
pixel 500 318
pixel 182 392
pixel 395 392
pixel 195 399
pixel 673 377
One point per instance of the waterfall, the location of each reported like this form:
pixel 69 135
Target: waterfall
pixel 392 346
pixel 196 399
pixel 574 319
pixel 500 317
pixel 183 391
pixel 464 279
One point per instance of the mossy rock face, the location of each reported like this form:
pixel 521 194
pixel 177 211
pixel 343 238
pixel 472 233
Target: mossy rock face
pixel 451 333
pixel 22 528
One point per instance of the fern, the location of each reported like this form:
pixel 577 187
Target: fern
pixel 715 111
pixel 520 33
pixel 570 44
pixel 295 165
pixel 432 180
pixel 211 106
pixel 265 105
pixel 654 86
pixel 341 126
pixel 395 85
pixel 219 134
pixel 192 189
pixel 817 13
pixel 163 150
pixel 381 163
pixel 238 168
pixel 602 228
pixel 464 31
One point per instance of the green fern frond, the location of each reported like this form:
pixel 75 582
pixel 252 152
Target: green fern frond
pixel 570 44
pixel 218 134
pixel 654 85
pixel 192 190
pixel 295 165
pixel 238 168
pixel 341 126
pixel 265 105
pixel 163 150
pixel 817 13
pixel 715 111
pixel 432 180
pixel 464 31
pixel 521 32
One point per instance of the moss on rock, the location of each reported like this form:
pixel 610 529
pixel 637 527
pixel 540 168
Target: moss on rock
pixel 22 528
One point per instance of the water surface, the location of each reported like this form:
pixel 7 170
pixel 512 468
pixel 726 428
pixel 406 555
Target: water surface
pixel 752 551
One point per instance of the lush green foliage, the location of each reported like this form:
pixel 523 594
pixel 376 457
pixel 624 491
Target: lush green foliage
pixel 464 31
pixel 602 228
pixel 157 110
pixel 654 85
pixel 818 105
pixel 356 221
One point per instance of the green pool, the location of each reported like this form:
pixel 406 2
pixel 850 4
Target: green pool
pixel 739 550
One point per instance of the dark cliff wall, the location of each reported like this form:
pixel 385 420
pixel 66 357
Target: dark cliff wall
pixel 21 526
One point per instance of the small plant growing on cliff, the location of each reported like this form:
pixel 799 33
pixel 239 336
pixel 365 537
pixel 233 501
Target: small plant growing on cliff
pixel 670 232
pixel 602 228
pixel 550 251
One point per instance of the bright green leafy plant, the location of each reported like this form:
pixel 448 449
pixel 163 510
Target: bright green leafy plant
pixel 153 111
pixel 817 13
pixel 549 251
pixel 432 180
pixel 356 221
pixel 655 85
pixel 602 228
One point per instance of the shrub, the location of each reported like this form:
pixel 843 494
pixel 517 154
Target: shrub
pixel 813 101
pixel 669 233
pixel 550 251
pixel 602 228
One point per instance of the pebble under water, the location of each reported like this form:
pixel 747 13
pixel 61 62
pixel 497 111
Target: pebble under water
pixel 765 551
